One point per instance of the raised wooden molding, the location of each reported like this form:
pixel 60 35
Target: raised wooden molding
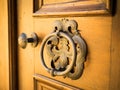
pixel 41 82
pixel 72 8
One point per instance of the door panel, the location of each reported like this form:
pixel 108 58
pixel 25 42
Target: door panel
pixel 94 76
pixel 95 30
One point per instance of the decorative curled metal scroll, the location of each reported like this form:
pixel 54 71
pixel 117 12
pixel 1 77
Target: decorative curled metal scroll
pixel 66 50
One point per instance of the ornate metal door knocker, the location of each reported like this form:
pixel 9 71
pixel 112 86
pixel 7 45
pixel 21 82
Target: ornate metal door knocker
pixel 65 49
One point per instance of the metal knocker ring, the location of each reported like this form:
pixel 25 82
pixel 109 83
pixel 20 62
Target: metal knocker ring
pixel 68 68
pixel 63 52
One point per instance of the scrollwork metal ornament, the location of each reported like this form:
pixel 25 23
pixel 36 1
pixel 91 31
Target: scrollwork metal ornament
pixel 66 50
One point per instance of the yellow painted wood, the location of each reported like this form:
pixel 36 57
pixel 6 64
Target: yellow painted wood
pixel 4 64
pixel 25 56
pixel 97 34
pixel 101 35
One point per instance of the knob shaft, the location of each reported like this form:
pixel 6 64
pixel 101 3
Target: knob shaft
pixel 23 40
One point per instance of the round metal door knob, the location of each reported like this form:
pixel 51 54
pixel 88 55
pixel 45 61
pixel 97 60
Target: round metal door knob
pixel 23 40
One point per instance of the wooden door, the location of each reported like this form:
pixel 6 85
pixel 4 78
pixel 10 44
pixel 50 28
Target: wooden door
pixel 94 25
pixel 4 84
